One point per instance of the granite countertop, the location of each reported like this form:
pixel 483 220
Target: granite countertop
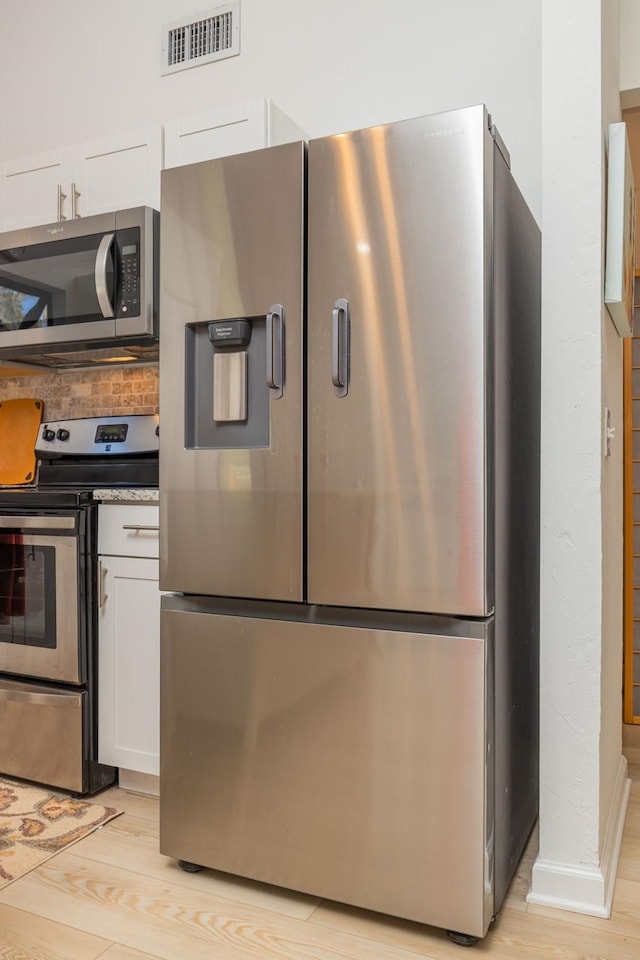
pixel 128 495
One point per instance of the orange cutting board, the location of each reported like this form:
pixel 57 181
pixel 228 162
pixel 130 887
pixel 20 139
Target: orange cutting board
pixel 19 423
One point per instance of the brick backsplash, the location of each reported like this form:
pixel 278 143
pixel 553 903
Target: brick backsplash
pixel 88 393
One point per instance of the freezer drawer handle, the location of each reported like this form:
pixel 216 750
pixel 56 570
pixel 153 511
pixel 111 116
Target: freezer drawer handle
pixel 341 348
pixel 102 292
pixel 275 350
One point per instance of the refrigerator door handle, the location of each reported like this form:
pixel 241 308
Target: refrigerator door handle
pixel 275 350
pixel 341 347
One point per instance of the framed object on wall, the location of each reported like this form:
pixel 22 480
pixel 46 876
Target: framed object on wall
pixel 621 225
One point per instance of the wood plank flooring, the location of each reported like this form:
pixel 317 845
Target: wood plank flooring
pixel 113 896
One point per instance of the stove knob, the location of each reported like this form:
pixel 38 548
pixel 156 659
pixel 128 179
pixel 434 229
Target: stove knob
pixel 48 435
pixel 62 434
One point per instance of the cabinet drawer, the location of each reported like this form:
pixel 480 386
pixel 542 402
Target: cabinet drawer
pixel 129 530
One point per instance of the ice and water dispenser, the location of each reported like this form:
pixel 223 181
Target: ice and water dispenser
pixel 232 368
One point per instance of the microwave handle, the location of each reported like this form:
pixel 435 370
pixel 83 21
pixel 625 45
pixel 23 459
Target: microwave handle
pixel 101 275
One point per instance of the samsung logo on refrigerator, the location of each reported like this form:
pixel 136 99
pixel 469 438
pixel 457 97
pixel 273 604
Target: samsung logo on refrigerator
pixel 439 134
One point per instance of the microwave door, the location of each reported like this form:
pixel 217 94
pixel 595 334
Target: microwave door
pixel 57 292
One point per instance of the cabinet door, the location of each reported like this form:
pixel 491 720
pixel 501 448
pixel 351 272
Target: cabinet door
pixel 120 172
pixel 236 128
pixel 30 189
pixel 129 642
pixel 218 133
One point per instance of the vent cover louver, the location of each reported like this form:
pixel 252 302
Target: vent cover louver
pixel 211 36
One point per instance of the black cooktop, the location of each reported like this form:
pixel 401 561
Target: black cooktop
pixel 70 482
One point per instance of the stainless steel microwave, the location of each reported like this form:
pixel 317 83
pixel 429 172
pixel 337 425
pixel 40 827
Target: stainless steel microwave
pixel 80 291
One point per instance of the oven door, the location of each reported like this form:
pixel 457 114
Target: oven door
pixel 39 598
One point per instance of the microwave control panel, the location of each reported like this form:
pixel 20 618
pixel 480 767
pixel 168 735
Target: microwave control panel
pixel 128 292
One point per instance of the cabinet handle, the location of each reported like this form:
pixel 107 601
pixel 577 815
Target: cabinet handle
pixel 61 198
pixel 74 202
pixel 102 573
pixel 138 526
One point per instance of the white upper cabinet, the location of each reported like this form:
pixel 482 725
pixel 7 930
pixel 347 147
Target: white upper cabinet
pixel 232 129
pixel 31 189
pixel 120 172
pixel 81 180
pixel 124 170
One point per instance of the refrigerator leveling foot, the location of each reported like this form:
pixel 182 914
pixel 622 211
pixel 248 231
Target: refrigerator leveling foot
pixel 189 867
pixel 462 939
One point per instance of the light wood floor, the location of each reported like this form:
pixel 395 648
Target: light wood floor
pixel 113 896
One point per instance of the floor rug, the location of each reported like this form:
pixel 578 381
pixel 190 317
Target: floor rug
pixel 35 824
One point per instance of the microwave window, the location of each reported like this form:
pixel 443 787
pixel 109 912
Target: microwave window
pixel 54 283
pixel 19 311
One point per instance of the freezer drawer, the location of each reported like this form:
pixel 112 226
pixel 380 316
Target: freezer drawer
pixel 41 734
pixel 346 762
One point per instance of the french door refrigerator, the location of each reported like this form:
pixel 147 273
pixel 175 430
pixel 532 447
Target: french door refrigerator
pixel 349 372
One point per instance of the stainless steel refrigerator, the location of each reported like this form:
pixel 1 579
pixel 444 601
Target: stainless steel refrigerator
pixel 349 498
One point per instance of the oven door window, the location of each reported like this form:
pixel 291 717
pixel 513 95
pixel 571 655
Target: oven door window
pixel 39 606
pixel 27 593
pixel 57 283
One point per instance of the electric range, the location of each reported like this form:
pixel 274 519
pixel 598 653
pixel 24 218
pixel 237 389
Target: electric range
pixel 48 597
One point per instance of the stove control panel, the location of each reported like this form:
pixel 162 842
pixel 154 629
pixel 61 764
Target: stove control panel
pixel 99 436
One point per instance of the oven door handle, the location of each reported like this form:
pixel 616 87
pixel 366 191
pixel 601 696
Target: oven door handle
pixel 102 292
pixel 42 523
pixel 28 696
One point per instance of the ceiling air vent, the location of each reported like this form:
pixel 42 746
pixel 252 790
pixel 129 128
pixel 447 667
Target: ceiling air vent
pixel 210 36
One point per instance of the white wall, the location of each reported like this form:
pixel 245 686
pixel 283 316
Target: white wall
pixel 82 69
pixel 583 775
pixel 630 52
pixel 612 472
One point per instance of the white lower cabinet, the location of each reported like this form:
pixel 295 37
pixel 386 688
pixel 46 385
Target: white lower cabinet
pixel 129 641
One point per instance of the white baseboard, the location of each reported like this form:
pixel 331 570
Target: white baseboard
pixel 586 889
pixel 614 831
pixel 139 782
